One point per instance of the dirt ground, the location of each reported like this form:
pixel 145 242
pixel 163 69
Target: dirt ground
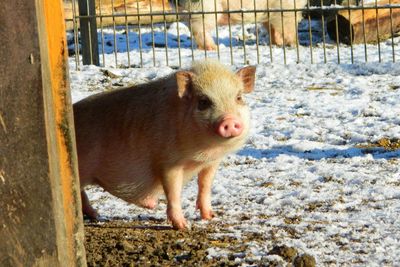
pixel 155 243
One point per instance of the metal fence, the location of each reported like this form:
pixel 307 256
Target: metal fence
pixel 137 33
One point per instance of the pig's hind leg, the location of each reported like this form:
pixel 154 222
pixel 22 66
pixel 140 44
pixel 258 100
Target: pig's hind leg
pixel 203 25
pixel 87 209
pixel 283 29
pixel 150 200
pixel 202 35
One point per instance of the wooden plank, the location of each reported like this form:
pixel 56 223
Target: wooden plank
pixel 352 29
pixel 132 7
pixel 40 218
pixel 60 122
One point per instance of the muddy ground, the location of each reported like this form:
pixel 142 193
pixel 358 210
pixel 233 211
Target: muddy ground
pixel 155 243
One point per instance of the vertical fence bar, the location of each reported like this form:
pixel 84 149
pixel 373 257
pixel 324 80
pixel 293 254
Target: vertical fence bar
pixel 230 30
pixel 179 36
pixel 87 21
pixel 337 36
pixel 243 33
pixel 310 32
pixel 165 32
pixel 256 30
pixel 102 33
pixel 364 33
pixel 351 34
pixel 114 34
pixel 127 34
pixel 269 31
pixel 283 33
pixel 204 28
pixel 297 32
pixel 191 29
pixel 323 30
pixel 140 35
pixel 152 32
pixel 391 31
pixel 76 34
pixel 377 31
pixel 216 27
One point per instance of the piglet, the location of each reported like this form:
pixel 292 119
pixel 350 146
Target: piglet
pixel 142 141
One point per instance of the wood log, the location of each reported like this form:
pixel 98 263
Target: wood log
pixel 374 24
pixel 123 7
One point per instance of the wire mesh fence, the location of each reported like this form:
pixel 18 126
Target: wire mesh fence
pixel 137 33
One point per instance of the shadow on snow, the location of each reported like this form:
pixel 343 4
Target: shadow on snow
pixel 319 154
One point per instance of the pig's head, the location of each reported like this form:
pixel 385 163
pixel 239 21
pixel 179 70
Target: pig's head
pixel 213 96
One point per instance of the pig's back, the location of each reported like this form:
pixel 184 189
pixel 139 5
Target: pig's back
pixel 107 125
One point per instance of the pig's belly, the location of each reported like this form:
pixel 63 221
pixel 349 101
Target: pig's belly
pixel 134 183
pixel 131 182
pixel 136 191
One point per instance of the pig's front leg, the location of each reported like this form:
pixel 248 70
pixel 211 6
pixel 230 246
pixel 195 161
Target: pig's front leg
pixel 172 184
pixel 205 179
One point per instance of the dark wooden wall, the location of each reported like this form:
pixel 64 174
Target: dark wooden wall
pixel 40 218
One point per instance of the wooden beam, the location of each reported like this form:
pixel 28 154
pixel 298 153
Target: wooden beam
pixel 123 7
pixel 40 217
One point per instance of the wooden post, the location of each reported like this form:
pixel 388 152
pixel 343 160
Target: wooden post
pixel 40 217
pixel 88 27
pixel 373 24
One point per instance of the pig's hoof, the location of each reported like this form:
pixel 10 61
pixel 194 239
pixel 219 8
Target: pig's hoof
pixel 211 47
pixel 180 225
pixel 277 40
pixel 90 213
pixel 207 215
pixel 208 47
pixel 177 219
pixel 205 211
pixel 179 222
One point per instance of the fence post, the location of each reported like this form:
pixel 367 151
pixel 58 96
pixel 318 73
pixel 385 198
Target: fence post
pixel 40 217
pixel 88 27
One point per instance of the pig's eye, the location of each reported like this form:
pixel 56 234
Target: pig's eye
pixel 239 99
pixel 204 103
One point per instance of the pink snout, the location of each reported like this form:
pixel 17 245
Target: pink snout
pixel 229 126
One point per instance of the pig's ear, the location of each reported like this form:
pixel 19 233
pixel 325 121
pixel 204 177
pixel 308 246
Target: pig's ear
pixel 184 82
pixel 247 75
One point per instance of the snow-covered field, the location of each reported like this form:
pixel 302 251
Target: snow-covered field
pixel 309 175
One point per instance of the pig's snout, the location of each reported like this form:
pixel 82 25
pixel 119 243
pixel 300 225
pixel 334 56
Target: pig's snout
pixel 229 126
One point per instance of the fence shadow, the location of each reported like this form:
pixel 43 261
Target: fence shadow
pixel 371 68
pixel 121 42
pixel 319 154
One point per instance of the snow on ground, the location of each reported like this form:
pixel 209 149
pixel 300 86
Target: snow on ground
pixel 304 178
